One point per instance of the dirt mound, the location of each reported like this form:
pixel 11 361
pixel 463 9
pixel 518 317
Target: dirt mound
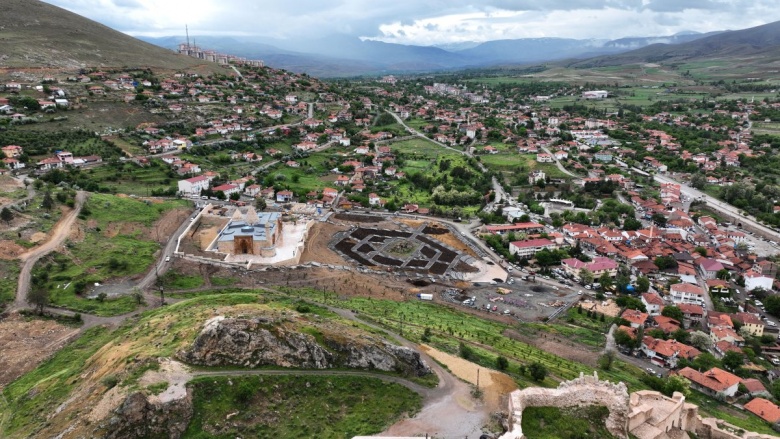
pixel 31 341
pixel 10 250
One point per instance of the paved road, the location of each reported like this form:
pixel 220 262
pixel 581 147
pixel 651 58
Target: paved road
pixel 59 233
pixel 558 164
pixel 719 206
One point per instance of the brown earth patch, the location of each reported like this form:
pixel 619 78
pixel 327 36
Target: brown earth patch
pixel 164 227
pixel 25 343
pixel 317 250
pixel 495 385
pixel 10 250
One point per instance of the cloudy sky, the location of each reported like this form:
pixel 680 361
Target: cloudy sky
pixel 425 22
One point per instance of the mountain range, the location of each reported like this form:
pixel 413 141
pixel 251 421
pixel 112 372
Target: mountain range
pixel 34 34
pixel 341 55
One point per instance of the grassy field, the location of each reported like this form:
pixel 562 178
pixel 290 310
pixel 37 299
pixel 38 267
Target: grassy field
pixel 510 164
pixel 296 407
pixel 449 327
pixel 9 276
pixel 348 404
pixel 119 244
pixel 132 179
pixel 173 280
pixel 36 394
pixel 555 423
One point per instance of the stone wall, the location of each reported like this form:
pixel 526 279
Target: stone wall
pixel 646 414
pixel 583 391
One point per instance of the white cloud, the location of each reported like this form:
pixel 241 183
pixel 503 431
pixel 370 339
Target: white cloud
pixel 425 22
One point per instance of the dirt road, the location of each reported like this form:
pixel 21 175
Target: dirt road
pixel 58 235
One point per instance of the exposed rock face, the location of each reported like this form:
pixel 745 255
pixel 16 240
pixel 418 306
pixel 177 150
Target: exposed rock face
pixel 279 341
pixel 138 417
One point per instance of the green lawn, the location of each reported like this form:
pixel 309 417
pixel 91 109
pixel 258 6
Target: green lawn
pixel 297 406
pixel 9 277
pixel 569 423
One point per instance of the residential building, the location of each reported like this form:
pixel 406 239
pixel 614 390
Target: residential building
pixel 709 268
pixel 654 304
pixel 528 248
pixel 764 409
pixel 755 280
pixel 712 382
pixel 284 196
pixel 193 186
pixel 637 319
pixel 227 189
pixel 750 323
pixel 599 266
pixel 686 293
pixel 535 176
pixel 666 353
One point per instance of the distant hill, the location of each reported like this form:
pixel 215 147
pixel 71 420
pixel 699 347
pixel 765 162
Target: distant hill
pixel 341 55
pixel 756 45
pixel 36 34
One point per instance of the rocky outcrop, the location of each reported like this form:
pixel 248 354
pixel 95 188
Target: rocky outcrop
pixel 139 417
pixel 287 341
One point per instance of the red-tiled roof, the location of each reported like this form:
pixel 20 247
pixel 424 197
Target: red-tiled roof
pixel 764 409
pixel 714 379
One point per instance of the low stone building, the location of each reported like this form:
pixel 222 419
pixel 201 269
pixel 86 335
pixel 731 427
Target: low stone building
pixel 251 233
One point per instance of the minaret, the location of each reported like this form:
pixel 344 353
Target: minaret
pixel 187 32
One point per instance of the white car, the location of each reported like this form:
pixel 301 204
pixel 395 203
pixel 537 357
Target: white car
pixel 167 259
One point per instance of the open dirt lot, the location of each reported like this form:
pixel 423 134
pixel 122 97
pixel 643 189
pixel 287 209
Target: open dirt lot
pixel 27 342
pixel 495 385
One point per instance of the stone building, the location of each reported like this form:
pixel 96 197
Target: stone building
pixel 251 233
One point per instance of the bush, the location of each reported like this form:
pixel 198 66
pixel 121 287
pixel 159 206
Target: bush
pixel 466 352
pixel 502 363
pixel 538 371
pixel 110 381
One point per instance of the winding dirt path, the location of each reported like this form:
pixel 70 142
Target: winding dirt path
pixel 58 235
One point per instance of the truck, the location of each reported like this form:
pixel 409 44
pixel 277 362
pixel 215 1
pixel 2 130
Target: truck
pixel 500 290
pixel 424 296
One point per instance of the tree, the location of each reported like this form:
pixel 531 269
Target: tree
pixel 586 276
pixel 701 341
pixel 466 352
pixel 606 360
pixel 235 196
pixel 704 361
pixel 631 224
pixel 772 304
pixel 698 180
pixel 679 384
pixel 502 363
pixel 6 215
pixel 673 312
pixel 701 250
pixel 47 202
pixel 642 284
pixel 38 296
pixel 606 281
pixel 623 338
pixel 681 335
pixel 260 204
pixel 538 371
pixel 733 360
pixel 664 262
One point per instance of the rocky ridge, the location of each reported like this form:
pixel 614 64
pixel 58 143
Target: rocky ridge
pixel 297 341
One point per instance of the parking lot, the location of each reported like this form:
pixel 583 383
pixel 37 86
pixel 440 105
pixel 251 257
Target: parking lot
pixel 526 301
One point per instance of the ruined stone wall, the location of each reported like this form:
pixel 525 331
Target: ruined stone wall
pixel 583 391
pixel 664 413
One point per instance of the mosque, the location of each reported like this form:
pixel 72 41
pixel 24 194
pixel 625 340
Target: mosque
pixel 251 233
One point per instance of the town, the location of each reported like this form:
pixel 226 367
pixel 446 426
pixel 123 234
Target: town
pixel 601 226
